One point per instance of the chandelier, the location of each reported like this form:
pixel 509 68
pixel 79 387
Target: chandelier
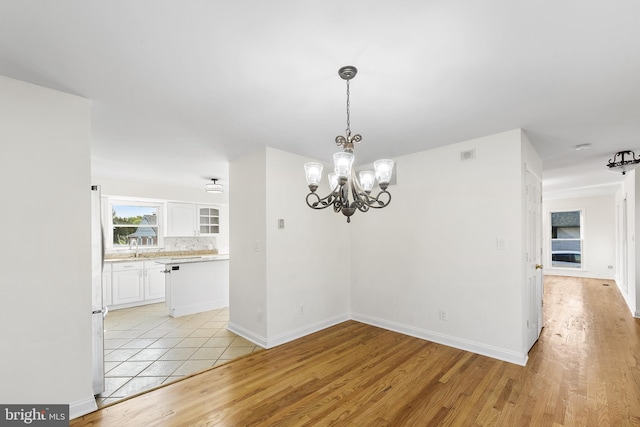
pixel 348 192
pixel 623 165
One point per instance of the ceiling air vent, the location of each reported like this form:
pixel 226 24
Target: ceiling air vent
pixel 468 155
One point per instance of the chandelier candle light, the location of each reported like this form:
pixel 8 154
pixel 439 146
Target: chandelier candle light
pixel 349 193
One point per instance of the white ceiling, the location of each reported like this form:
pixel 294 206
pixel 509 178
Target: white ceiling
pixel 180 88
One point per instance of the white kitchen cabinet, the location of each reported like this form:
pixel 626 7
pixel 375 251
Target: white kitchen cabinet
pixel 181 219
pixel 106 284
pixel 188 219
pixel 132 283
pixel 127 283
pixel 208 220
pixel 153 282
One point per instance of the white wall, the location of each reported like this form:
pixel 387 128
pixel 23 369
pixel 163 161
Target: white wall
pixel 248 262
pixel 304 264
pixel 45 320
pixel 307 260
pixel 435 248
pixel 599 216
pixel 631 289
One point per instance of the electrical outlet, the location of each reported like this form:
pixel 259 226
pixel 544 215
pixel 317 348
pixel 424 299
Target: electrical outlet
pixel 301 308
pixel 443 314
pixel 259 315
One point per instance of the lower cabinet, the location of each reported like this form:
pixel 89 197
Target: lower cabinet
pixel 127 283
pixel 153 281
pixel 135 283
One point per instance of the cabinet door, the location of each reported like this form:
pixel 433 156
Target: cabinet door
pixel 208 220
pixel 154 282
pixel 181 219
pixel 127 286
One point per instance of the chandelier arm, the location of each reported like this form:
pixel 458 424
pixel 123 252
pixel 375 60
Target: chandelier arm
pixel 376 202
pixel 319 203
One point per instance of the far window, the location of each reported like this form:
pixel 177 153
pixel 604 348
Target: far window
pixel 566 239
pixel 135 223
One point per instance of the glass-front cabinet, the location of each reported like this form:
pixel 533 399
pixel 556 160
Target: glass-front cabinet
pixel 208 220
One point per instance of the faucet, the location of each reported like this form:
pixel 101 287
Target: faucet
pixel 131 240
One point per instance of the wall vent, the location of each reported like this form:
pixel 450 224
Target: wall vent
pixel 468 155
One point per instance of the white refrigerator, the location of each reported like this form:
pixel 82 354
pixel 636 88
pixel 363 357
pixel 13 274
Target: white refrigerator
pixel 98 311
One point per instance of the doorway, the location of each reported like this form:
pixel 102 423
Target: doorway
pixel 534 257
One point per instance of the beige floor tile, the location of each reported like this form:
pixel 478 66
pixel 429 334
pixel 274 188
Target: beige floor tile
pixel 148 354
pixel 110 365
pixel 137 385
pixel 113 343
pixel 178 354
pixel 203 333
pixel 139 343
pixel 191 342
pixel 161 368
pixel 173 378
pixel 148 347
pixel 241 342
pixel 233 352
pixel 210 353
pixel 165 342
pixel 193 366
pixel 127 369
pixel 215 325
pixel 120 355
pixel 225 333
pixel 112 384
pixel 130 333
pixel 219 342
pixel 179 333
pixel 155 333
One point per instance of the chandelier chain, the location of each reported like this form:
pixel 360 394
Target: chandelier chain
pixel 348 115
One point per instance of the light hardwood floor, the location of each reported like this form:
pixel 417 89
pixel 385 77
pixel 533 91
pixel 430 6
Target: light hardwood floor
pixel 583 371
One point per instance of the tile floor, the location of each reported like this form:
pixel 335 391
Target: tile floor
pixel 145 347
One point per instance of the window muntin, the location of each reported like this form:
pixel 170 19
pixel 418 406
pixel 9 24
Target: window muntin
pixel 566 239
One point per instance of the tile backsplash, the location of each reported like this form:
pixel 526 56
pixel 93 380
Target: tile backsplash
pixel 189 243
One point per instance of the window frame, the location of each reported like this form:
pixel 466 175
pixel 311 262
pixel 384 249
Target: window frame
pixel 124 201
pixel 580 239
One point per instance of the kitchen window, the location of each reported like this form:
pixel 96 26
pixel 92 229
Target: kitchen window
pixel 566 239
pixel 134 224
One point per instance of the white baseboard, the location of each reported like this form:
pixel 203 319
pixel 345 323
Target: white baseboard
pixel 82 407
pixel 450 341
pixel 287 336
pixel 474 347
pixel 247 334
pixel 306 330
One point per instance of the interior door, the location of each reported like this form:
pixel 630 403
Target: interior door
pixel 534 257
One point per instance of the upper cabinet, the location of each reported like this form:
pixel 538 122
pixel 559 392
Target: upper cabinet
pixel 208 220
pixel 188 219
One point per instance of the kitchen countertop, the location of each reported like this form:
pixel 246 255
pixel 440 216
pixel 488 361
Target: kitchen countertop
pixel 169 257
pixel 192 259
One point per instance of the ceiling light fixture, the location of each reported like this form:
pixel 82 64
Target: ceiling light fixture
pixel 581 147
pixel 623 165
pixel 349 193
pixel 213 187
